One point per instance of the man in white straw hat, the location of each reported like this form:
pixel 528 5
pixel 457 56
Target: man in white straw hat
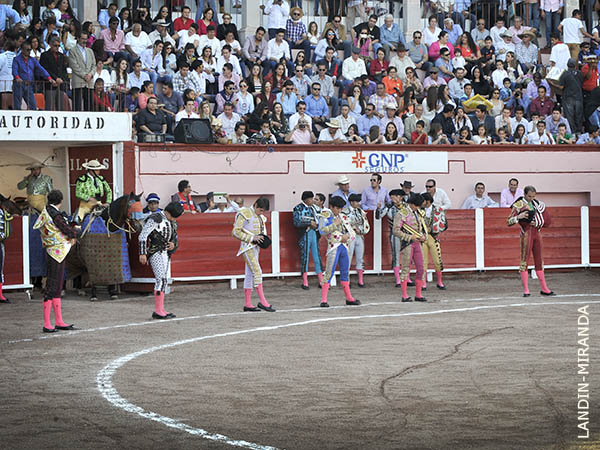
pixel 91 188
pixel 332 134
pixel 38 186
pixel 344 190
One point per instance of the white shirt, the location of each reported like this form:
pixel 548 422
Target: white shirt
pixel 353 69
pixel 6 76
pixel 233 60
pixel 186 39
pixel 474 202
pixel 571 28
pixel 293 121
pixel 346 122
pixel 278 14
pixel 496 35
pixel 441 199
pixel 278 51
pixel 235 45
pixel 560 55
pixel 105 76
pixel 507 198
pixel 535 139
pixel 134 81
pixel 514 123
pixel 184 115
pixel 213 43
pixel 149 61
pixel 138 44
pixel 429 37
pixel 229 124
pixel 325 136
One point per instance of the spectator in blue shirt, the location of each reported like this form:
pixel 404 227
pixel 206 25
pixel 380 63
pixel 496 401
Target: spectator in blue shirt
pixel 391 36
pixel 367 120
pixel 6 12
pixel 105 15
pixel 454 31
pixel 288 99
pixel 460 12
pixel 24 70
pixel 316 107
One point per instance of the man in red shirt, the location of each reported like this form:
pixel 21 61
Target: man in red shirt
pixel 183 22
pixel 590 74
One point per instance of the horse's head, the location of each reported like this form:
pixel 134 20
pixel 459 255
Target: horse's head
pixel 9 206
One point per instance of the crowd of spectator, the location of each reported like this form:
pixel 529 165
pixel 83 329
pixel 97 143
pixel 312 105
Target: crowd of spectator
pixel 474 74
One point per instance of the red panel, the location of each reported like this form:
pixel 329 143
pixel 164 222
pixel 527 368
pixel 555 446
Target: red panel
pixel 501 242
pixel 206 248
pixel 458 241
pixel 595 234
pixel 290 251
pixel 13 246
pixel 561 241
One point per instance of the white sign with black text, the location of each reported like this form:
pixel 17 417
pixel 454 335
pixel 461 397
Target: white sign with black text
pixel 65 126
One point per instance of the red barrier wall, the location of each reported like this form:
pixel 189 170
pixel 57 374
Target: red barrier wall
pixel 501 242
pixel 13 246
pixel 458 241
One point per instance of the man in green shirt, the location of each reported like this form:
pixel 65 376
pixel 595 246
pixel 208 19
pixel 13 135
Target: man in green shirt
pixel 91 188
pixel 38 186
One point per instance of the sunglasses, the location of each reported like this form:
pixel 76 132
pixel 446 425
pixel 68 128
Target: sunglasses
pixel 429 186
pixel 337 21
pixel 316 89
pixel 322 70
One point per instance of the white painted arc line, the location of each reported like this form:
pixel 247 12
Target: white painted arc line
pixel 203 316
pixel 107 390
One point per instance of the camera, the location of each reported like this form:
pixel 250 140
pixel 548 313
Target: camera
pixel 302 126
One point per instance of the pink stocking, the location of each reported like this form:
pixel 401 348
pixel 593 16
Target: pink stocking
pixel 320 275
pixel 397 274
pixel 58 313
pixel 324 290
pixel 404 289
pixel 261 295
pixel 47 311
pixel 159 303
pixel 419 284
pixel 305 279
pixel 1 296
pixel 439 278
pixel 248 298
pixel 525 281
pixel 542 278
pixel 360 276
pixel 346 287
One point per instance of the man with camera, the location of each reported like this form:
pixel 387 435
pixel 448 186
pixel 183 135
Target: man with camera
pixel 301 134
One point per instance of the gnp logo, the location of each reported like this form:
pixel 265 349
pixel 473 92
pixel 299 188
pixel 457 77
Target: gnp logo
pixel 384 162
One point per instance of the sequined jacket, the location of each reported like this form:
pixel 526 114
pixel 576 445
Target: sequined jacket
pixel 88 187
pixel 537 217
pixel 156 234
pixel 56 233
pixel 358 220
pixel 335 232
pixel 247 225
pixel 408 223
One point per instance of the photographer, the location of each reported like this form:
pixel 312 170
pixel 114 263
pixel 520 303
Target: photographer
pixel 301 134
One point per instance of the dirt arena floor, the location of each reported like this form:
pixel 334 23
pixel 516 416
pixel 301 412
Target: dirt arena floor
pixel 477 367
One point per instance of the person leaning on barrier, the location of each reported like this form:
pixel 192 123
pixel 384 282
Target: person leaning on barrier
pixel 184 197
pixel 38 186
pixel 25 69
pixel 56 65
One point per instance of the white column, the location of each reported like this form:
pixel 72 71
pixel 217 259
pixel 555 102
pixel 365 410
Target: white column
pixel 585 236
pixel 570 5
pixel 377 244
pixel 275 256
pixel 479 240
pixel 117 168
pixel 251 19
pixel 412 18
pixel 90 11
pixel 26 277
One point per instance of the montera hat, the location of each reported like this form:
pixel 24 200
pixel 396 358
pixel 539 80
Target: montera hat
pixel 152 197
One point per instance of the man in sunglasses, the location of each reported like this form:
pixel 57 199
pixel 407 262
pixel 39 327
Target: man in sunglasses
pixel 418 53
pixel 440 198
pixel 374 196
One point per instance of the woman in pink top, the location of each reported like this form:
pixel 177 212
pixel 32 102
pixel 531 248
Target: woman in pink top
pixel 434 50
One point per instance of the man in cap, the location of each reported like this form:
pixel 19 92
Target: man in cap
pixel 91 188
pixel 38 186
pixel 158 241
pixel 407 188
pixel 344 190
pixel 332 134
pixel 296 33
pixel 401 61
pixel 307 223
pixel 527 52
pixel 161 34
pixel 360 225
pixel 505 46
pixel 152 202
